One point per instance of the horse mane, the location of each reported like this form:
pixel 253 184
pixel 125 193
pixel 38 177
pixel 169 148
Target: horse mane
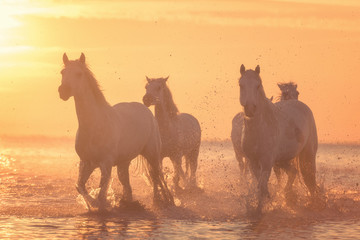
pixel 287 84
pixel 169 104
pixel 269 112
pixel 94 86
pixel 261 89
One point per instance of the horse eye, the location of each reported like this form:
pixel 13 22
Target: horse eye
pixel 62 72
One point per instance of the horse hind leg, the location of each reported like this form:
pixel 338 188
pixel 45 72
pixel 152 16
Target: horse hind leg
pixel 178 172
pixel 308 170
pixel 158 181
pixel 277 172
pixel 239 157
pixel 123 175
pixel 192 161
pixel 291 172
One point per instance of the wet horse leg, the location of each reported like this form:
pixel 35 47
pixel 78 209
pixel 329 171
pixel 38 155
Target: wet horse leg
pixel 240 157
pixel 255 169
pixel 277 172
pixel 192 158
pixel 178 171
pixel 291 172
pixel 85 170
pixel 123 175
pixel 264 176
pixel 105 169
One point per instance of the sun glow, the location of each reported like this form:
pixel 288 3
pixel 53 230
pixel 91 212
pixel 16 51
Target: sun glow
pixel 7 22
pixel 198 43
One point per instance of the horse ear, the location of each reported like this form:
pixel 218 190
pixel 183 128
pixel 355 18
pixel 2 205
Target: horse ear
pixel 82 58
pixel 280 86
pixel 148 79
pixel 65 59
pixel 242 69
pixel 271 99
pixel 166 78
pixel 295 86
pixel 257 69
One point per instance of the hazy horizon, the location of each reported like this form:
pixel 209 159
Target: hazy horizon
pixel 200 45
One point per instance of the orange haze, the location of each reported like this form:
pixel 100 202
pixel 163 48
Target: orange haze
pixel 200 44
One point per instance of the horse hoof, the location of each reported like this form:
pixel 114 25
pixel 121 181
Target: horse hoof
pixel 178 190
pixel 318 202
pixel 131 205
pixel 80 190
pixel 163 203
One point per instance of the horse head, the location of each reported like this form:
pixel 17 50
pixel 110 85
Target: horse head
pixel 288 91
pixel 154 91
pixel 250 90
pixel 72 76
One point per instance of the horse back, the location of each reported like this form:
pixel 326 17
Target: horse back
pixel 298 129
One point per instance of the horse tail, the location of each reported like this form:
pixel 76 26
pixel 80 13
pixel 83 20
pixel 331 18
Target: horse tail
pixel 153 172
pixel 143 168
pixel 307 158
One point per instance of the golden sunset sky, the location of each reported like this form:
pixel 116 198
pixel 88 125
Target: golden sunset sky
pixel 199 44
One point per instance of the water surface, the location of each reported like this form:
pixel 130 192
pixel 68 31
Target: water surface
pixel 39 200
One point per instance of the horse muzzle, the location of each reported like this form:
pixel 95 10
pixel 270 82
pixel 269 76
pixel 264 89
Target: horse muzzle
pixel 250 110
pixel 64 92
pixel 148 100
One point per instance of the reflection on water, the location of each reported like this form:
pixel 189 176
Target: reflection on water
pixel 39 200
pixel 100 228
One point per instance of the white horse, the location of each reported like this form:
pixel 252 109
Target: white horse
pixel 274 134
pixel 288 91
pixel 110 136
pixel 180 132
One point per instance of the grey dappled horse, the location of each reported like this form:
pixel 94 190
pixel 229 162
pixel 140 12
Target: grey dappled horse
pixel 180 132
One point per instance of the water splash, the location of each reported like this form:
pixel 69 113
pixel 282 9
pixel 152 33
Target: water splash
pixel 111 198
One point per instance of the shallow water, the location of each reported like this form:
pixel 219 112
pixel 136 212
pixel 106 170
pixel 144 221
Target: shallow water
pixel 39 200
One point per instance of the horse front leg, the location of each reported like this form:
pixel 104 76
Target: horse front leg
pixel 265 171
pixel 85 170
pixel 104 185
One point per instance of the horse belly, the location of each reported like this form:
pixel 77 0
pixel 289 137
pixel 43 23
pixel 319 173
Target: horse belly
pixel 189 132
pixel 295 129
pixel 135 130
pixel 95 153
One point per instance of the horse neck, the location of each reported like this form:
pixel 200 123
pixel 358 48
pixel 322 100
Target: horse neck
pixel 89 108
pixel 166 111
pixel 163 117
pixel 265 116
